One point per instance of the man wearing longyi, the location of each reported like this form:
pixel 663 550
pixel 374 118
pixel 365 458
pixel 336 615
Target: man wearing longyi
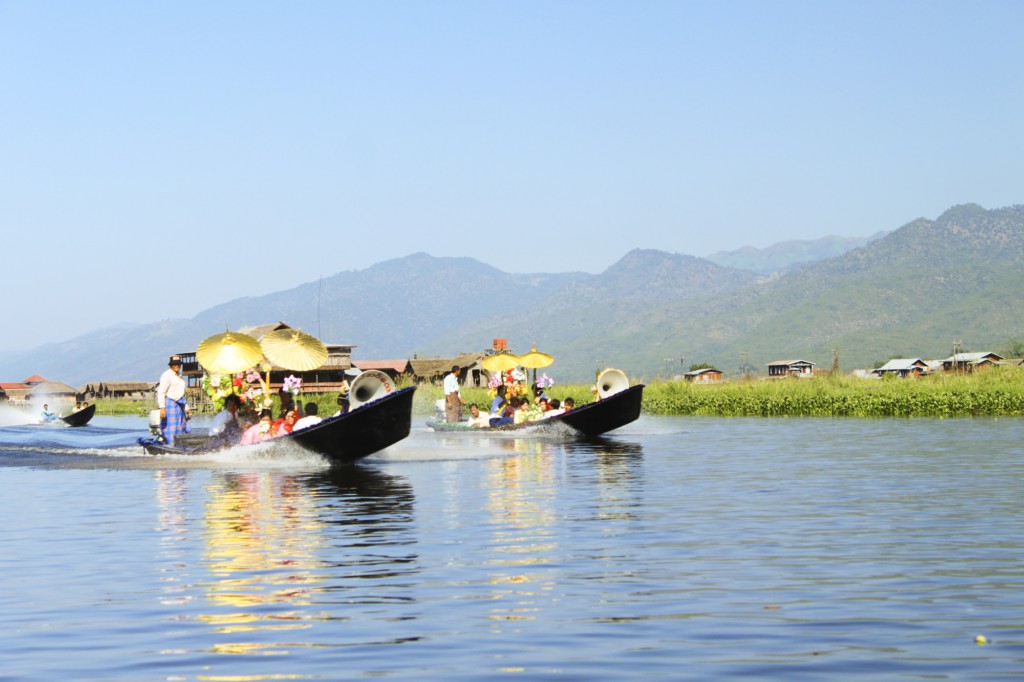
pixel 170 397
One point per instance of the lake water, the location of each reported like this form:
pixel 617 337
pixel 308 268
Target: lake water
pixel 676 548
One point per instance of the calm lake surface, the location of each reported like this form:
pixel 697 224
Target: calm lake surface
pixel 676 548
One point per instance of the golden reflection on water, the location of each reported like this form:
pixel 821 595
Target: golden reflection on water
pixel 262 534
pixel 521 491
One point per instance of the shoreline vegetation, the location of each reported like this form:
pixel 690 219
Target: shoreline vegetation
pixel 997 392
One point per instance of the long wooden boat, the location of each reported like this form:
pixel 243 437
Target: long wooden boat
pixel 366 429
pixel 591 419
pixel 80 418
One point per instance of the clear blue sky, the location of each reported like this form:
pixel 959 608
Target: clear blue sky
pixel 160 158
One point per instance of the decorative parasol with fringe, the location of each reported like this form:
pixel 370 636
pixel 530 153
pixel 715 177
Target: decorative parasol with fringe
pixel 294 349
pixel 535 360
pixel 500 362
pixel 228 353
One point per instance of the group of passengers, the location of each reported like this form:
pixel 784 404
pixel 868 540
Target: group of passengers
pixel 236 426
pixel 47 416
pixel 518 409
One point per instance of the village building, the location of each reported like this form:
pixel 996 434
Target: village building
pixel 35 389
pixel 903 367
pixel 433 370
pixel 968 362
pixel 393 368
pixel 801 369
pixel 704 376
pixel 117 390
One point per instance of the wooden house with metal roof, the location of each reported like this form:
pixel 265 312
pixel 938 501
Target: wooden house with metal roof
pixel 801 369
pixel 706 375
pixel 968 362
pixel 903 368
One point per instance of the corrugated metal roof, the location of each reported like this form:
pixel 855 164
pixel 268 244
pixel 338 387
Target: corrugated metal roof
pixel 902 364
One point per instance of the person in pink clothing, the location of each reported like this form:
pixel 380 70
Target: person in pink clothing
pixel 258 432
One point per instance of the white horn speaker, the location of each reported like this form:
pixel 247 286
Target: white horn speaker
pixel 610 382
pixel 369 386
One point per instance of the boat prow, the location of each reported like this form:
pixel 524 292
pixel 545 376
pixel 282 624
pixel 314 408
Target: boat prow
pixel 80 418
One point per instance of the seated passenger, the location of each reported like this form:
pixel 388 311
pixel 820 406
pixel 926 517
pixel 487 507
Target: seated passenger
pixel 568 404
pixel 507 413
pixel 311 418
pixel 226 429
pixel 285 424
pixel 554 409
pixel 258 432
pixel 478 419
pixel 46 415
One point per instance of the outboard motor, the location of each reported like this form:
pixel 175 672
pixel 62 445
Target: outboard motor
pixel 154 423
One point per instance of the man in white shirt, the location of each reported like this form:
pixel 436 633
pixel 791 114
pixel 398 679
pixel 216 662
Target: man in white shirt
pixel 170 398
pixel 310 419
pixel 452 396
pixel 225 428
pixel 478 419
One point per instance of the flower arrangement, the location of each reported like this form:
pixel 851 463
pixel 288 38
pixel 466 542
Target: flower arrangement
pixel 220 386
pixel 544 381
pixel 511 380
pixel 292 384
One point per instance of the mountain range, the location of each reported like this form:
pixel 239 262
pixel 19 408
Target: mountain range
pixel 909 292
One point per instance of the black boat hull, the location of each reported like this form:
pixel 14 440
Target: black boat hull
pixel 80 418
pixel 345 438
pixel 591 419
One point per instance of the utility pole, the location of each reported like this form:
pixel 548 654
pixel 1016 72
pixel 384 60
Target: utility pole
pixel 835 362
pixel 745 356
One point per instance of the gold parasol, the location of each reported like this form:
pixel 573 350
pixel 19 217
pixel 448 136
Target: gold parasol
pixel 534 360
pixel 228 353
pixel 294 349
pixel 500 362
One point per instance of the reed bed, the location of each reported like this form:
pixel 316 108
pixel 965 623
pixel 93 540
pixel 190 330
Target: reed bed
pixel 995 392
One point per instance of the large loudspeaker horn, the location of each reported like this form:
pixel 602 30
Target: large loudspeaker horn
pixel 610 382
pixel 369 386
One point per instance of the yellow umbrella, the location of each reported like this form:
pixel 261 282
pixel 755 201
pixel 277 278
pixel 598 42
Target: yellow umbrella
pixel 535 359
pixel 228 353
pixel 500 362
pixel 294 349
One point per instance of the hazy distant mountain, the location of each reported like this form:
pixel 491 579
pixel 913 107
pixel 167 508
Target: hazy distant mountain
pixel 909 293
pixel 789 254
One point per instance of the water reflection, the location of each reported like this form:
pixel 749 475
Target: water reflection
pixel 525 501
pixel 279 550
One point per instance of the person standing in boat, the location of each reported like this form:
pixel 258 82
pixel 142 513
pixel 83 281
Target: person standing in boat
pixel 452 396
pixel 170 397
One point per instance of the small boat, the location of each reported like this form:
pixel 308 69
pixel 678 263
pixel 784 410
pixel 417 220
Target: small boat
pixel 364 430
pixel 81 417
pixel 591 419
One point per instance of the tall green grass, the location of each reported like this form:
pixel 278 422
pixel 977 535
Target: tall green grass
pixel 995 392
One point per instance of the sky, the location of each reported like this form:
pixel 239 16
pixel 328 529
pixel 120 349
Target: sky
pixel 159 158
